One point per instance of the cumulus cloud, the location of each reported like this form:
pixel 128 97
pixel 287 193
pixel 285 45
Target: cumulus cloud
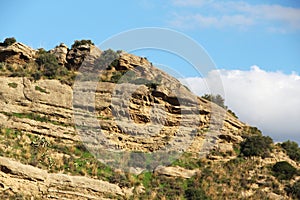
pixel 268 100
pixel 236 14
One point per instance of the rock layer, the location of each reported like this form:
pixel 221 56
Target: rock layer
pixel 138 108
pixel 30 181
pixel 17 53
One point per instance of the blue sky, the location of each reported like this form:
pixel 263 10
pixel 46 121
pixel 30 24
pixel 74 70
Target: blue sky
pixel 244 39
pixel 235 34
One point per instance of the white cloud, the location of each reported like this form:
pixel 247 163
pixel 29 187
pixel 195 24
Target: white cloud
pixel 203 21
pixel 222 14
pixel 268 100
pixel 189 2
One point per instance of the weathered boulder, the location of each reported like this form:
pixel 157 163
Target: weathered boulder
pixel 32 182
pixel 175 171
pixel 60 53
pixel 78 54
pixel 16 53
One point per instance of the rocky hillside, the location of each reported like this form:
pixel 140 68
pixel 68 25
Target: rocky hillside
pixel 65 110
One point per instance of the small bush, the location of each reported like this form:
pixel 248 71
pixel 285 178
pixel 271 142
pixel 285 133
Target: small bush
pixel 232 113
pixel 108 59
pixel 294 190
pixel 13 85
pixel 217 99
pixel 292 149
pixel 284 170
pixel 48 64
pixel 116 77
pixel 194 191
pixel 78 43
pixel 2 65
pixel 256 146
pixel 41 89
pixel 251 131
pixel 8 41
pixel 41 51
pixel 36 75
pixel 152 85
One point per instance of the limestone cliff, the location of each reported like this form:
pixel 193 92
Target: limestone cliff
pixel 43 123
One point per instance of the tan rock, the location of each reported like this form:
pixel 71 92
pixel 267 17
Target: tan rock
pixel 60 53
pixel 175 171
pixel 225 147
pixel 31 181
pixel 76 56
pixel 16 53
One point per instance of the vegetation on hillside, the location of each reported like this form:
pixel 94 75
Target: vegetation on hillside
pixel 45 66
pixel 78 43
pixel 8 41
pixel 48 65
pixel 292 149
pixel 257 146
pixel 213 179
pixel 294 189
pixel 220 101
pixel 284 170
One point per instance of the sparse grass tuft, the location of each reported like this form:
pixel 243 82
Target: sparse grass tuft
pixel 13 85
pixel 41 89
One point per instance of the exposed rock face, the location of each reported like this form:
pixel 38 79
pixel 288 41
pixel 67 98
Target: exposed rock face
pixel 32 182
pixel 19 53
pixel 16 53
pixel 157 104
pixel 166 109
pixel 138 107
pixel 77 55
pixel 60 53
pixel 175 171
pixel 56 103
pixel 149 111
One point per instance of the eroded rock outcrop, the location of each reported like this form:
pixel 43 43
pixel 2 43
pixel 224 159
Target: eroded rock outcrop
pixel 17 53
pixel 175 171
pixel 60 53
pixel 32 182
pixel 78 54
pixel 138 107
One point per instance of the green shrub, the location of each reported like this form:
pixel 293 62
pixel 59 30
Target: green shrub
pixel 217 99
pixel 152 85
pixel 232 113
pixel 48 64
pixel 41 51
pixel 194 191
pixel 109 59
pixel 256 146
pixel 13 85
pixel 292 149
pixel 251 131
pixel 36 75
pixel 2 65
pixel 41 89
pixel 284 170
pixel 116 76
pixel 188 161
pixel 8 41
pixel 78 43
pixel 146 178
pixel 294 190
